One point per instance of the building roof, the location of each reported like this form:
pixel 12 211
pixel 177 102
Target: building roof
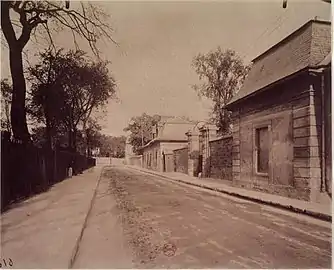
pixel 172 129
pixel 304 48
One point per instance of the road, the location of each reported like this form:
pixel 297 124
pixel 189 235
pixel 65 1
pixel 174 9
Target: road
pixel 170 225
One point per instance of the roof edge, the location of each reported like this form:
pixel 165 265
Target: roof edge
pixel 289 77
pixel 160 140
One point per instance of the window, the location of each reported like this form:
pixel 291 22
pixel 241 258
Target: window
pixel 262 150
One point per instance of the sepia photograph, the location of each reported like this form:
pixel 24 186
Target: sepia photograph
pixel 166 134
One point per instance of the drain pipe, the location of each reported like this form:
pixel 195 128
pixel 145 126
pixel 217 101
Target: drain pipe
pixel 208 158
pixel 323 135
pixel 320 73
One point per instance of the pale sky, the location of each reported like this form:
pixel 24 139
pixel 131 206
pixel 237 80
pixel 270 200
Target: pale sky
pixel 158 40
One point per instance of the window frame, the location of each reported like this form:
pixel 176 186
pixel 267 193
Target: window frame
pixel 257 126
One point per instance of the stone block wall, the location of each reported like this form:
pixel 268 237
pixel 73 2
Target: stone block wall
pixel 221 158
pixel 181 160
pixel 293 141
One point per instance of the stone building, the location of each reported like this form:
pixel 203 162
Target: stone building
pixel 167 135
pixel 282 118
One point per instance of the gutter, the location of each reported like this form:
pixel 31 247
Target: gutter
pixel 161 140
pixel 323 136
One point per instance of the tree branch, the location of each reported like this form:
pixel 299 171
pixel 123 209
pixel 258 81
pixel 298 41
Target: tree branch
pixel 6 25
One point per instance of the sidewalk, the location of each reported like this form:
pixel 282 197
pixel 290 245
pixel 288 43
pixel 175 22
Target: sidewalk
pixel 103 244
pixel 319 211
pixel 43 231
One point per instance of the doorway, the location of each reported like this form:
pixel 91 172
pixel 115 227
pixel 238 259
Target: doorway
pixel 163 162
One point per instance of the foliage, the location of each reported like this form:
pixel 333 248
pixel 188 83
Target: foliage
pixel 140 128
pixel 22 20
pixel 6 98
pixel 92 135
pixel 65 89
pixel 222 73
pixel 111 146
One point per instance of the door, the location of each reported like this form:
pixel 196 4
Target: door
pixel 200 164
pixel 163 162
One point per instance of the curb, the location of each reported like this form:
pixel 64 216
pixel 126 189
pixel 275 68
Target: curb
pixel 290 208
pixel 84 225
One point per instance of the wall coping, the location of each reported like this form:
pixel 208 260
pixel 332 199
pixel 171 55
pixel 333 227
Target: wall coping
pixel 221 138
pixel 135 156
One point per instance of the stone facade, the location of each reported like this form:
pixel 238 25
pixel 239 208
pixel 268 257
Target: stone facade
pixel 221 158
pixel 180 157
pixel 159 155
pixel 284 97
pixel 294 122
pixel 152 157
pixel 167 135
pixel 278 113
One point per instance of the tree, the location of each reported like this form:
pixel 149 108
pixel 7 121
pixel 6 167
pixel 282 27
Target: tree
pixel 223 73
pixel 20 20
pixel 46 104
pixel 92 135
pixel 141 129
pixel 6 92
pixel 118 146
pixel 38 136
pixel 112 146
pixel 66 87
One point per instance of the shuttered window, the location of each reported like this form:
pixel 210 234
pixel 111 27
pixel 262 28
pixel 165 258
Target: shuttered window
pixel 262 149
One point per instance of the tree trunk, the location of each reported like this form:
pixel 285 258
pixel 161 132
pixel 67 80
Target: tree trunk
pixel 18 112
pixel 70 140
pixel 74 134
pixel 47 121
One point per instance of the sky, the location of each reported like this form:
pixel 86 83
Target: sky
pixel 158 40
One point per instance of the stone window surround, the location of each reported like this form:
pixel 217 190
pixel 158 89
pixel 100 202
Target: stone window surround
pixel 258 125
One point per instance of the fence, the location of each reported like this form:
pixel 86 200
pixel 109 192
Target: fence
pixel 27 170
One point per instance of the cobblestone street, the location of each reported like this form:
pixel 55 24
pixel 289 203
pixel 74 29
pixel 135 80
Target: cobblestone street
pixel 169 225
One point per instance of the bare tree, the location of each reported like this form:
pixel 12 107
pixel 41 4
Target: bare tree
pixel 20 20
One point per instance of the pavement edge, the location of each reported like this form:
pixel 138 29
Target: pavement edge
pixel 290 208
pixel 84 225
